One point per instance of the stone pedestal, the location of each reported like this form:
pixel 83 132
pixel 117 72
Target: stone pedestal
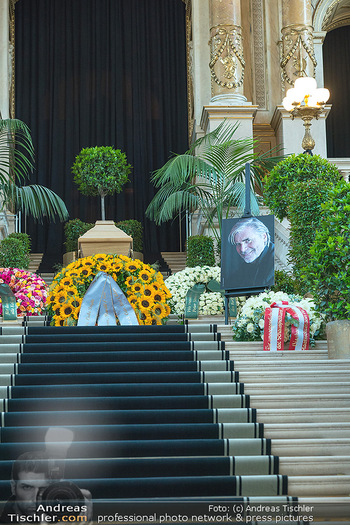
pixel 213 115
pixel 105 237
pixel 338 339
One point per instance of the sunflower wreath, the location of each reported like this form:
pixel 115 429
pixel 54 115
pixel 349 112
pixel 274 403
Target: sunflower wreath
pixel 29 289
pixel 143 286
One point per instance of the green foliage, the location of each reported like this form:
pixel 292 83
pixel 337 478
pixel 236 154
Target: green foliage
pixel 73 230
pixel 23 237
pixel 135 230
pixel 13 253
pixel 285 282
pixel 305 212
pixel 209 177
pixel 299 168
pixel 17 160
pixel 327 269
pixel 200 251
pixel 101 170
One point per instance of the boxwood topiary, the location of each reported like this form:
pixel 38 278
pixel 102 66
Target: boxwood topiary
pixel 328 267
pixel 14 254
pixel 305 212
pixel 300 168
pixel 73 230
pixel 23 237
pixel 200 251
pixel 135 230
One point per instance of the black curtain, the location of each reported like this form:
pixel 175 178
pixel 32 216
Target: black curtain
pixel 102 72
pixel 336 60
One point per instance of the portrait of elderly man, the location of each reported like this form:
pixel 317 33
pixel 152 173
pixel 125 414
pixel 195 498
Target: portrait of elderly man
pixel 248 260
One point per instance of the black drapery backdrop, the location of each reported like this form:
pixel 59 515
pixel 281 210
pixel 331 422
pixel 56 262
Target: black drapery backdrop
pixel 336 60
pixel 102 72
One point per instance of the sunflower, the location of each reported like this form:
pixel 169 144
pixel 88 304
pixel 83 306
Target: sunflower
pixel 129 281
pixel 66 310
pixel 146 275
pixel 159 296
pixel 60 297
pixel 66 281
pixel 149 291
pixel 85 271
pixel 132 266
pixel 133 299
pixel 145 303
pixel 144 316
pixel 137 288
pixel 158 309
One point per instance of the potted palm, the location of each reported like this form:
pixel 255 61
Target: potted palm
pixel 328 269
pixel 101 171
pixel 209 177
pixel 16 163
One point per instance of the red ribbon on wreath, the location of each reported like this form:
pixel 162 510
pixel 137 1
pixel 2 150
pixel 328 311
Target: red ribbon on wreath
pixel 274 326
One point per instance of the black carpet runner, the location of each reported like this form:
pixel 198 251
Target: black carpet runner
pixel 154 412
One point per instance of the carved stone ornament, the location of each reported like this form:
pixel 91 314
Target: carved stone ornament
pixel 298 58
pixel 226 51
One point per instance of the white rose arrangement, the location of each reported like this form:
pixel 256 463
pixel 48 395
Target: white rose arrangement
pixel 249 325
pixel 210 303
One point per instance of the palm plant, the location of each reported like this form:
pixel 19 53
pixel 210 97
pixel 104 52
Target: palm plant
pixel 209 177
pixel 16 162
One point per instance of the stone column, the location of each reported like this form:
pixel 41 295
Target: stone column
pixel 298 57
pixel 4 59
pixel 226 52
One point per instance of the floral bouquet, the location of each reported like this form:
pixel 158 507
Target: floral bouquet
pixel 249 325
pixel 143 286
pixel 29 289
pixel 210 303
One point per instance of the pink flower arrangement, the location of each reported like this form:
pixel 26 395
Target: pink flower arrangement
pixel 29 289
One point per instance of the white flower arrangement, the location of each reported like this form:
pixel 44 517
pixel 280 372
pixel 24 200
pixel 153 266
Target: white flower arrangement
pixel 210 303
pixel 249 325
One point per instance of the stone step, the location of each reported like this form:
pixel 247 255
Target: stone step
pixel 292 376
pixel 315 466
pixel 307 430
pixel 308 486
pixel 293 364
pixel 293 387
pixel 300 401
pixel 303 415
pixel 311 447
pixel 256 356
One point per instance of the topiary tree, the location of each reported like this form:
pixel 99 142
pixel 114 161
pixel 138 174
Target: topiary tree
pixel 200 251
pixel 296 168
pixel 101 170
pixel 327 269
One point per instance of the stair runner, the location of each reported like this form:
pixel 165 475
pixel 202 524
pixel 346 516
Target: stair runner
pixel 156 412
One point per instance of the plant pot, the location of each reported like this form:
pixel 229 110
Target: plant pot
pixel 338 339
pixel 137 255
pixel 69 257
pixel 105 237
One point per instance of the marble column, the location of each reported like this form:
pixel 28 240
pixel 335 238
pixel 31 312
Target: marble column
pixel 227 70
pixel 4 59
pixel 226 51
pixel 298 57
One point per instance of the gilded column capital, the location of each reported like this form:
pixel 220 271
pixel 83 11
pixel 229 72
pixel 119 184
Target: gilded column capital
pixel 298 57
pixel 226 56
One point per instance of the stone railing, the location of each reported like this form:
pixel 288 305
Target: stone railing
pixel 343 166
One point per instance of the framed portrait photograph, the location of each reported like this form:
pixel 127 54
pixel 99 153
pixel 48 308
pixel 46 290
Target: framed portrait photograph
pixel 247 253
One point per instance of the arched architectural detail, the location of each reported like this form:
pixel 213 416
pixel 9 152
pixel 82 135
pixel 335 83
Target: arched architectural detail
pixel 330 14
